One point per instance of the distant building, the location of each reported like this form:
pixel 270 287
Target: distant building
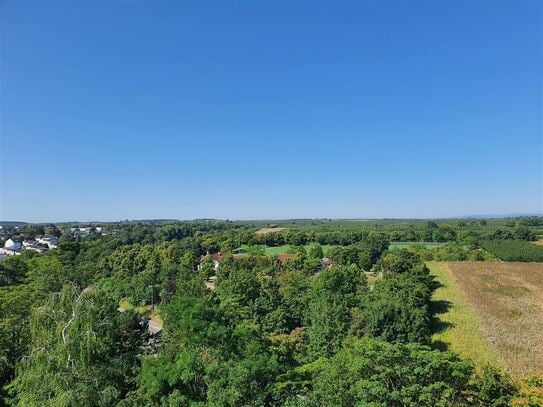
pixel 49 240
pixel 31 244
pixel 327 263
pixel 13 244
pixel 286 257
pixel 216 257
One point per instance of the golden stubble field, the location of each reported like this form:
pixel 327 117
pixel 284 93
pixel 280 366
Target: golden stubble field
pixel 265 231
pixel 507 299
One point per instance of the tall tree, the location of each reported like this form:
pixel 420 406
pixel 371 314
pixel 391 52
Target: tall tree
pixel 82 351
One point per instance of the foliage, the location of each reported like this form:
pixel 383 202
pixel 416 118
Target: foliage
pixel 531 393
pixel 336 293
pixel 12 270
pixel 369 372
pixel 15 303
pixel 81 351
pixel 206 360
pixel 514 250
pixel 493 389
pixel 397 309
pixel 453 252
pixel 266 332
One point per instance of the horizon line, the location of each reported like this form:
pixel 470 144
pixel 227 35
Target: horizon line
pixel 478 216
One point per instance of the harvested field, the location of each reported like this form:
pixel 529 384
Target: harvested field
pixel 507 299
pixel 265 231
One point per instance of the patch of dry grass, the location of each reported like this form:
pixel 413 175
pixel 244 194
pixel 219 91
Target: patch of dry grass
pixel 265 231
pixel 507 299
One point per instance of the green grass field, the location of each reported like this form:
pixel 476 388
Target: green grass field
pixel 407 245
pixel 456 327
pixel 272 251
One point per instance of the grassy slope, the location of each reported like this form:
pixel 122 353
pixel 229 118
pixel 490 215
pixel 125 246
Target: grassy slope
pixel 457 328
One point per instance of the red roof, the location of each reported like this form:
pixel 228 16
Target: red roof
pixel 326 262
pixel 285 257
pixel 215 256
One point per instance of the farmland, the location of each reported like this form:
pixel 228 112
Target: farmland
pixel 514 250
pixel 265 231
pixel 507 301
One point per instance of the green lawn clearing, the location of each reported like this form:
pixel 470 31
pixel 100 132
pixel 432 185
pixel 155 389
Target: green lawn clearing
pixel 407 245
pixel 272 251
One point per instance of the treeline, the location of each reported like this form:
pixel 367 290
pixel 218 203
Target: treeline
pixel 433 233
pixel 129 233
pixel 226 236
pixel 452 252
pixel 514 250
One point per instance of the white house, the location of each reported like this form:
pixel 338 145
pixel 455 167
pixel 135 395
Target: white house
pixel 34 246
pixel 13 245
pixel 50 241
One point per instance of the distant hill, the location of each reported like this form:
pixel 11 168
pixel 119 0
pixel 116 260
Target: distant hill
pixel 509 215
pixel 10 223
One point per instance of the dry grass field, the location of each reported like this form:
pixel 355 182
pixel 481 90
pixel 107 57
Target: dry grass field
pixel 265 231
pixel 507 299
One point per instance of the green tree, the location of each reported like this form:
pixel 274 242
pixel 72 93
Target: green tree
pixel 398 261
pixel 15 305
pixel 13 270
pixel 368 372
pixel 82 351
pixel 335 294
pixel 206 360
pixel 316 252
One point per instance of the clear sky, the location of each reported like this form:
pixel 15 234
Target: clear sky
pixel 128 109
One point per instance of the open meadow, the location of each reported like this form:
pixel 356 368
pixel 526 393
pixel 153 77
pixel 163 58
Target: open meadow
pixel 284 249
pixel 492 311
pixel 407 245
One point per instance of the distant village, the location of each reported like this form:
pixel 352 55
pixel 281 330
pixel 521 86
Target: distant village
pixel 19 241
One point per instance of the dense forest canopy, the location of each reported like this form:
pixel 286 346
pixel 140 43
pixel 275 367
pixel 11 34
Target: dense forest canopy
pixel 345 319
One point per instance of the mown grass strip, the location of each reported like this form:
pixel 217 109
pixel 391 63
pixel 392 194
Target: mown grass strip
pixel 455 327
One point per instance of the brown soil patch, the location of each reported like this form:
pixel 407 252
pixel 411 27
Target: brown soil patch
pixel 508 301
pixel 538 242
pixel 265 231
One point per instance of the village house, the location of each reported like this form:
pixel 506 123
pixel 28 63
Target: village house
pixel 12 246
pixel 283 258
pixel 49 240
pixel 326 263
pixel 216 257
pixel 31 244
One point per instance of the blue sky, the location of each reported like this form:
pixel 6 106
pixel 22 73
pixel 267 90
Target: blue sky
pixel 245 110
